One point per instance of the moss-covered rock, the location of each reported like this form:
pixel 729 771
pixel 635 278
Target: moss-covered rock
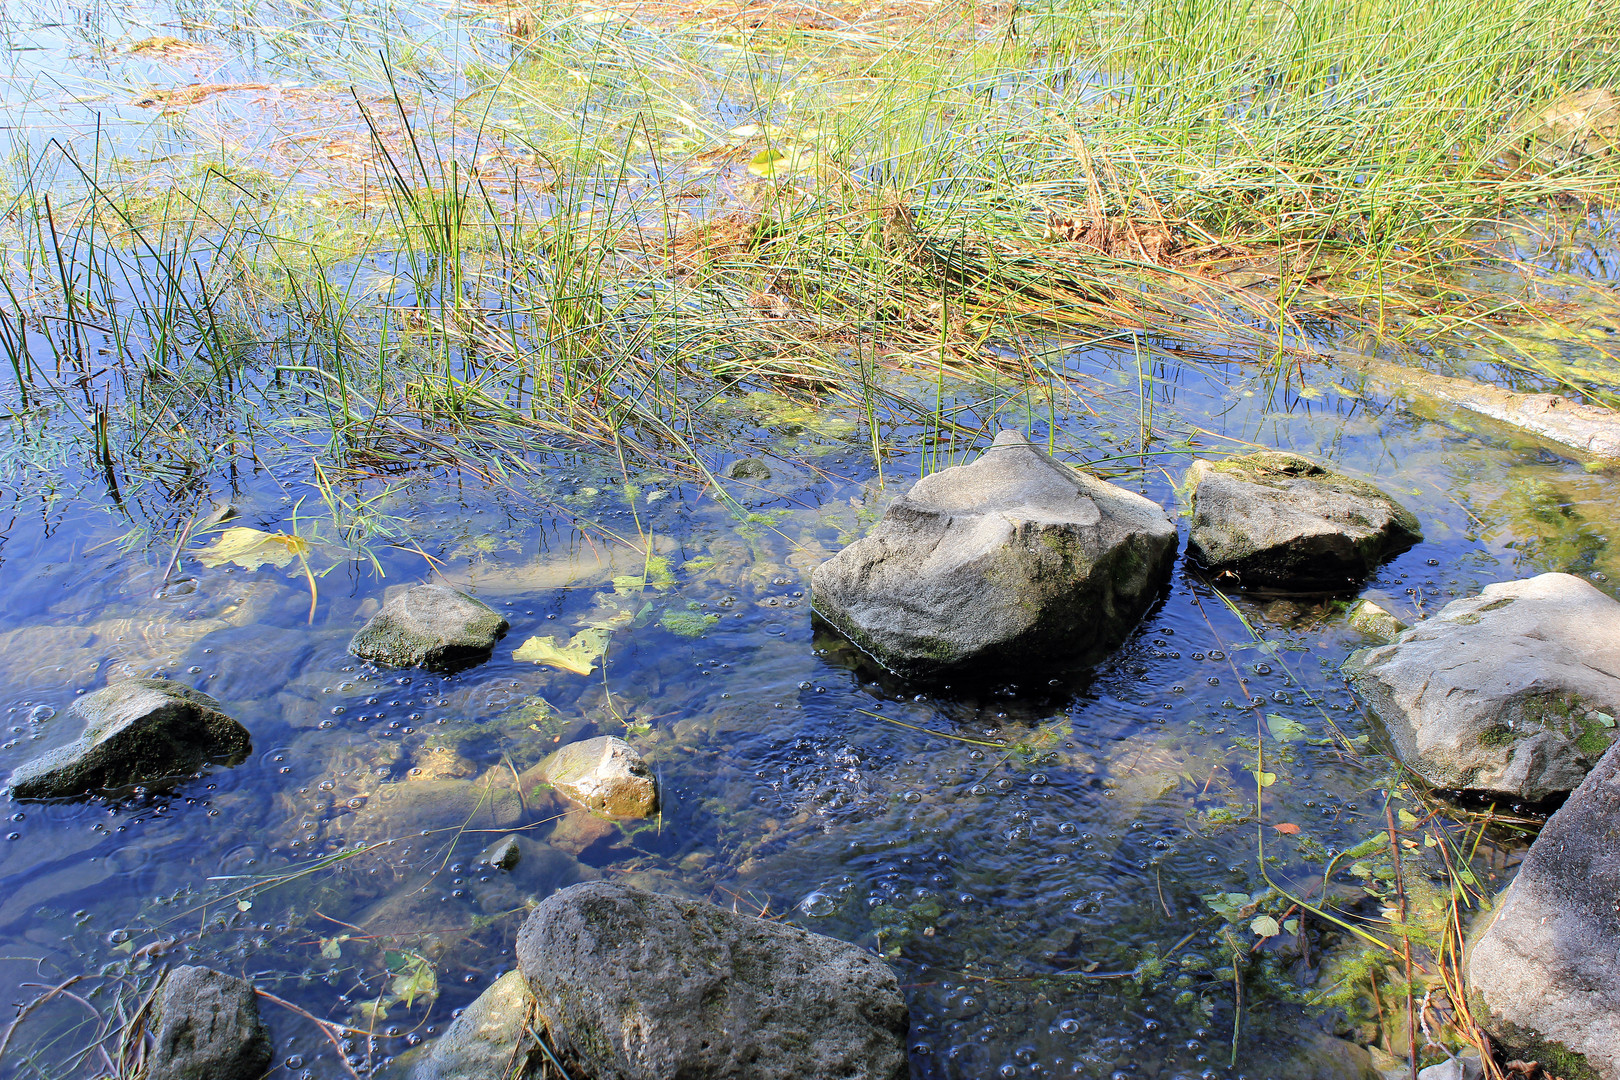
pixel 1514 691
pixel 1280 520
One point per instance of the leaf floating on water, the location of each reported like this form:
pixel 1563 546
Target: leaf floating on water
pixel 251 549
pixel 1287 828
pixel 1407 819
pixel 332 947
pixel 1265 926
pixel 580 655
pixel 1264 779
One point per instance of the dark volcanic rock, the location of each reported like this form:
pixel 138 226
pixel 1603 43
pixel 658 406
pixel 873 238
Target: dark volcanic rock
pixel 633 985
pixel 1012 560
pixel 137 732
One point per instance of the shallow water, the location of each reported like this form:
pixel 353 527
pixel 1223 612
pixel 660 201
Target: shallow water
pixel 1024 854
pixel 1060 868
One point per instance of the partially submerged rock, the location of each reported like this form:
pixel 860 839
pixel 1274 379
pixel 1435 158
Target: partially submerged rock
pixel 488 1040
pixel 633 985
pixel 432 626
pixel 605 774
pixel 143 731
pixel 1579 125
pixel 1013 559
pixel 1375 622
pixel 208 1028
pixel 1514 691
pixel 1591 430
pixel 1277 519
pixel 1545 968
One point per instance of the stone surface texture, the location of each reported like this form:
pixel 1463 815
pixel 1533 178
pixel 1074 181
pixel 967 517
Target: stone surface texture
pixel 1011 560
pixel 605 774
pixel 1579 125
pixel 208 1028
pixel 142 731
pixel 1280 520
pixel 1513 692
pixel 432 626
pixel 487 1041
pixel 1375 621
pixel 1544 967
pixel 634 985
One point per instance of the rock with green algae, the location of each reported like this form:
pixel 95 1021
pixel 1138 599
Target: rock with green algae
pixel 1544 966
pixel 1375 622
pixel 605 774
pixel 1013 560
pixel 634 985
pixel 1513 692
pixel 489 1039
pixel 431 626
pixel 141 731
pixel 1279 520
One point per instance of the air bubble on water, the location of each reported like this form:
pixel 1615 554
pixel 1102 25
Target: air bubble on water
pixel 41 713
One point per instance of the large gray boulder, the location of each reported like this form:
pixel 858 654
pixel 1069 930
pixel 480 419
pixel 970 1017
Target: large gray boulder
pixel 431 626
pixel 632 985
pixel 1513 692
pixel 1280 520
pixel 1544 966
pixel 142 731
pixel 605 774
pixel 208 1028
pixel 488 1041
pixel 1014 559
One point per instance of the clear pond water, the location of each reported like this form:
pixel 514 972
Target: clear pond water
pixel 1059 867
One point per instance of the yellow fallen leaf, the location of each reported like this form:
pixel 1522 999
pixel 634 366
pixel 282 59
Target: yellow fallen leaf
pixel 783 161
pixel 579 655
pixel 251 549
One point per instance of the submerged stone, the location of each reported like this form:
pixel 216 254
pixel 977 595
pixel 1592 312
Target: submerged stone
pixel 1579 125
pixel 1544 967
pixel 633 985
pixel 208 1028
pixel 1514 691
pixel 143 731
pixel 605 774
pixel 1012 560
pixel 432 626
pixel 1375 621
pixel 488 1040
pixel 1280 520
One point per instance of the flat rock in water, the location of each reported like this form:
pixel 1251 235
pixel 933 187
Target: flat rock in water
pixel 605 774
pixel 634 985
pixel 137 732
pixel 1012 560
pixel 1545 968
pixel 1514 691
pixel 1579 125
pixel 1280 520
pixel 432 626
pixel 487 1041
pixel 208 1028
